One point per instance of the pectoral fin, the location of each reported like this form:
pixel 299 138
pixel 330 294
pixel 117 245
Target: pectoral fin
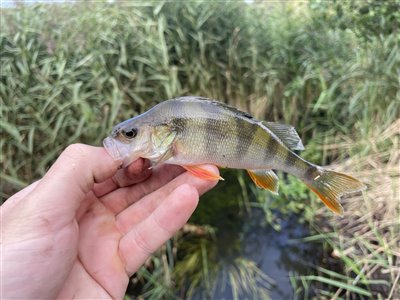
pixel 162 137
pixel 265 179
pixel 167 155
pixel 286 133
pixel 162 140
pixel 202 173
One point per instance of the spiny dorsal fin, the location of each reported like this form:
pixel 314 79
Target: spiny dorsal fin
pixel 286 133
pixel 233 109
pixel 216 103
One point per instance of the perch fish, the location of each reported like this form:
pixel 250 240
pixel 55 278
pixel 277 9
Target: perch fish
pixel 191 131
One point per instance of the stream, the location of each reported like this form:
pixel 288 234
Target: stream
pixel 246 236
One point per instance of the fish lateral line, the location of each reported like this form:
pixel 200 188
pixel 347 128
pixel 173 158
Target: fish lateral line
pixel 191 131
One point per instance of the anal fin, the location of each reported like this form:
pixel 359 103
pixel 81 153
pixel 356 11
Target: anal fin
pixel 265 179
pixel 202 173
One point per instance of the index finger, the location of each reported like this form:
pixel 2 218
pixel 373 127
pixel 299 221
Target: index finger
pixel 145 238
pixel 136 172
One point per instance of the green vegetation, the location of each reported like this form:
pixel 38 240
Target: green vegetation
pixel 362 258
pixel 70 72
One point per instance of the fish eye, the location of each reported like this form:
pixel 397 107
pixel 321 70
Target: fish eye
pixel 130 134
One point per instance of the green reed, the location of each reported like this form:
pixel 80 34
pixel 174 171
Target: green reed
pixel 70 72
pixel 71 80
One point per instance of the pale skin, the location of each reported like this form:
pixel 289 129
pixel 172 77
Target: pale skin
pixel 87 226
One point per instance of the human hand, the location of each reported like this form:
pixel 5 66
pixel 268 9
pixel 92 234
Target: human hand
pixel 86 226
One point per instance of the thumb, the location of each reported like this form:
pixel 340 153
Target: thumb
pixel 72 176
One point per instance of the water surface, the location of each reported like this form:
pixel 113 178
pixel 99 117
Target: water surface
pixel 245 235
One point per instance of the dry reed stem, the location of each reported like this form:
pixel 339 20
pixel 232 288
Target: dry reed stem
pixel 370 228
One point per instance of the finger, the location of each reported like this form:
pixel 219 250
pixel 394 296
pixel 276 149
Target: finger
pixel 98 249
pixel 136 172
pixel 145 238
pixel 71 177
pixel 120 199
pixel 141 210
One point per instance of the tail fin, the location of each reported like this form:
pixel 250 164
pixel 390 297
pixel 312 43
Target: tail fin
pixel 330 186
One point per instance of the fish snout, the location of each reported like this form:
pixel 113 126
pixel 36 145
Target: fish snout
pixel 112 148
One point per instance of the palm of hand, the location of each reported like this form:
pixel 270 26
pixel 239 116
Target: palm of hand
pixel 113 229
pixel 98 266
pixel 92 252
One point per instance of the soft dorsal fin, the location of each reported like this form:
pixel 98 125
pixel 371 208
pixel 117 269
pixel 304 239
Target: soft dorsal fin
pixel 286 133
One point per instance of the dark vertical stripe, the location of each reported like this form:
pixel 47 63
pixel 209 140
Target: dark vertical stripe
pixel 206 127
pixel 225 137
pixel 179 125
pixel 245 136
pixel 211 127
pixel 311 173
pixel 290 159
pixel 301 164
pixel 179 121
pixel 271 149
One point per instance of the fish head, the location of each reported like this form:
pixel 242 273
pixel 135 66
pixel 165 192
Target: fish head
pixel 129 141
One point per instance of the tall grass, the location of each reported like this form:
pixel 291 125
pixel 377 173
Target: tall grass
pixel 70 80
pixel 362 258
pixel 70 72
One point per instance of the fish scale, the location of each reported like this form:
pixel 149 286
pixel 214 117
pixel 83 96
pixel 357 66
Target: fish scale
pixel 216 141
pixel 191 131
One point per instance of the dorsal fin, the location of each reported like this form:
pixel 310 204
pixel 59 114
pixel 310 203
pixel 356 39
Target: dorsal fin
pixel 233 109
pixel 223 105
pixel 286 133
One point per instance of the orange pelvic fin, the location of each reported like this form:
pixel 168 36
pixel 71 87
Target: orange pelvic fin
pixel 265 179
pixel 202 173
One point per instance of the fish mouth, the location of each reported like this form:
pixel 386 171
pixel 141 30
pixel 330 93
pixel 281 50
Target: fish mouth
pixel 112 148
pixel 120 152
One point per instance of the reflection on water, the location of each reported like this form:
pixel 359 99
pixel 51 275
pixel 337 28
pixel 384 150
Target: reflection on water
pixel 229 253
pixel 277 254
pixel 247 258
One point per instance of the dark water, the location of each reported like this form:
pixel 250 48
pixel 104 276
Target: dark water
pixel 276 253
pixel 245 235
pixel 242 242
